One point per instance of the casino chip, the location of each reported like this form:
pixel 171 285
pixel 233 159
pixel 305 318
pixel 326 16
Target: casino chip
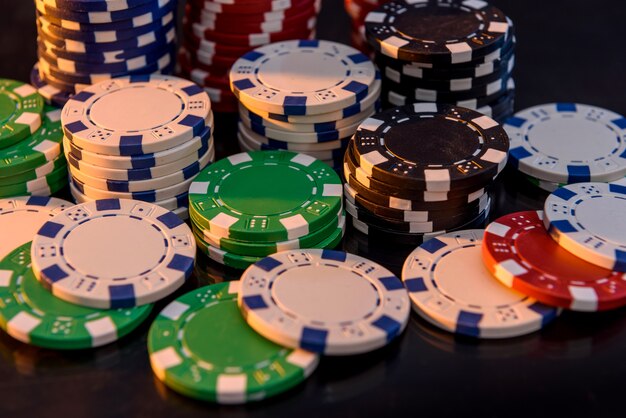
pixel 364 305
pixel 124 253
pixel 568 143
pixel 21 218
pixel 331 89
pixel 358 10
pixel 154 137
pixel 520 253
pixel 200 346
pixel 84 42
pixel 459 53
pixel 589 220
pixel 253 204
pixel 21 111
pixel 33 315
pixel 217 33
pixel 450 287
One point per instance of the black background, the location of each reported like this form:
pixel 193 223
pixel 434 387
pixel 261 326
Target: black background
pixel 567 51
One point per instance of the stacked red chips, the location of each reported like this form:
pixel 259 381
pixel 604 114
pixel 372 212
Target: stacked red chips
pixel 217 32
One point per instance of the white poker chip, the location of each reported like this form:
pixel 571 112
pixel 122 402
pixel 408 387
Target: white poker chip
pixel 21 218
pixel 302 77
pixel 324 301
pixel 589 220
pixel 568 143
pixel 136 115
pixel 451 288
pixel 113 253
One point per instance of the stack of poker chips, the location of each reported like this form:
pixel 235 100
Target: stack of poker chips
pixel 304 96
pixel 250 205
pixel 83 42
pixel 217 33
pixel 138 137
pixel 358 10
pixel 31 162
pixel 458 53
pixel 556 144
pixel 416 171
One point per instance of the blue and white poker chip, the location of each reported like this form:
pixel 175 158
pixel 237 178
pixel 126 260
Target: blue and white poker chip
pixel 95 5
pixel 568 143
pixel 451 288
pixel 589 220
pixel 113 253
pixel 51 94
pixel 324 301
pixel 136 115
pixel 107 16
pixel 261 142
pixel 331 76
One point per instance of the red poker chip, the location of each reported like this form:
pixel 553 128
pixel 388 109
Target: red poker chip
pixel 203 77
pixel 193 43
pixel 520 253
pixel 195 15
pixel 249 6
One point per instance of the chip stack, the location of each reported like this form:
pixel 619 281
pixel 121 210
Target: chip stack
pixel 556 144
pixel 416 171
pixel 31 162
pixel 254 204
pixel 83 42
pixel 455 52
pixel 304 96
pixel 217 33
pixel 358 10
pixel 139 137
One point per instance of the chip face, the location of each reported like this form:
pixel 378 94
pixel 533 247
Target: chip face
pixel 412 31
pixel 589 220
pixel 322 77
pixel 451 288
pixel 568 143
pixel 433 147
pixel 201 346
pixel 33 315
pixel 113 253
pixel 520 253
pixel 324 301
pixel 21 109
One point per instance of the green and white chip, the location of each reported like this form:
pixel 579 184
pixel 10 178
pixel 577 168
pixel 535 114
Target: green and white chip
pixel 43 146
pixel 29 175
pixel 33 315
pixel 265 196
pixel 45 185
pixel 21 108
pixel 201 346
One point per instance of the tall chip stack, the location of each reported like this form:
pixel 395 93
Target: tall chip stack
pixel 306 96
pixel 253 204
pixel 138 137
pixel 358 10
pixel 31 162
pixel 556 144
pixel 460 53
pixel 419 170
pixel 216 33
pixel 83 42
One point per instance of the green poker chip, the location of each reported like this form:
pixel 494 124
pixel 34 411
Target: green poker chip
pixel 21 108
pixel 41 147
pixel 47 184
pixel 265 196
pixel 33 315
pixel 263 249
pixel 26 176
pixel 242 262
pixel 201 346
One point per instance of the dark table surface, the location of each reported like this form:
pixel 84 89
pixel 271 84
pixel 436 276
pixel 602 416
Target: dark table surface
pixel 567 51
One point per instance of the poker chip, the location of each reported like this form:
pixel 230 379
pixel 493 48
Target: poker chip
pixel 358 10
pixel 21 110
pixel 85 42
pixel 451 288
pixel 568 143
pixel 200 346
pixel 21 217
pixel 589 220
pixel 520 253
pixel 144 253
pixel 365 306
pixel 45 185
pixel 31 314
